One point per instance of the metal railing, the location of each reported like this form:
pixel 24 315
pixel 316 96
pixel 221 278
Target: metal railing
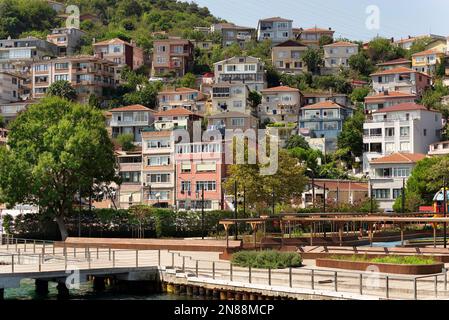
pixel 31 256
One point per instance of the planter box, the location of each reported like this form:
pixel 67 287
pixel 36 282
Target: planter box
pixel 383 267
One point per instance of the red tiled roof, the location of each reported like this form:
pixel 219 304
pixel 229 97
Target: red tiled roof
pixel 323 105
pixel 409 106
pixel 134 107
pixel 342 185
pixel 175 112
pixel 390 95
pixel 291 43
pixel 395 71
pixel 110 41
pixel 400 158
pixel 393 62
pixel 426 52
pixel 273 19
pixel 341 44
pixel 316 29
pixel 280 89
pixel 178 90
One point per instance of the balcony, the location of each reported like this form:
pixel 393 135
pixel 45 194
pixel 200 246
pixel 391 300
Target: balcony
pixel 244 37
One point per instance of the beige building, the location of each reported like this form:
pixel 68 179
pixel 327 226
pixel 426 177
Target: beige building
pixel 187 98
pixel 232 33
pixel 336 56
pixel 287 57
pixel 67 39
pixel 130 172
pixel 280 105
pixel 172 55
pixel 130 120
pixel 11 87
pixel 87 74
pixel 230 97
pixel 401 62
pixel 232 120
pixel 311 37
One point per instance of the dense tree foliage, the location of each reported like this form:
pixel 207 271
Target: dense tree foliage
pixel 56 148
pixel 62 89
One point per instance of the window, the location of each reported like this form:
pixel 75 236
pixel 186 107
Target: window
pixel 130 176
pixel 425 132
pixel 156 144
pixel 237 104
pixel 231 68
pixel 41 67
pixel 159 195
pixel 61 66
pixel 220 67
pixel 206 167
pixel 158 161
pixel 405 146
pixel 397 193
pixel 250 67
pixel 207 185
pixel 158 178
pixel 238 122
pixel 185 186
pixel 186 167
pixel 381 193
pixel 59 77
pixel 389 147
pixel 401 172
pixel 389 132
pixel 405 131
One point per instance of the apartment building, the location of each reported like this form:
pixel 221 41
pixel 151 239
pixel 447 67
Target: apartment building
pixel 324 120
pixel 276 29
pixel 400 79
pixel 311 36
pixel 200 170
pixel 158 171
pixel 387 99
pixel 187 98
pixel 336 56
pixel 405 128
pixel 11 87
pixel 87 74
pixel 407 42
pixel 439 149
pixel 10 110
pixel 130 172
pixel 427 61
pixel 316 97
pixel 67 40
pixel 120 52
pixel 232 120
pixel 280 105
pixel 232 34
pixel 131 120
pixel 230 97
pixel 172 56
pixel 245 70
pixel 179 118
pixel 26 49
pixel 396 63
pixel 287 57
pixel 389 174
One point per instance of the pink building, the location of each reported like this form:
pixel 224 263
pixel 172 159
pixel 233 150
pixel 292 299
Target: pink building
pixel 199 165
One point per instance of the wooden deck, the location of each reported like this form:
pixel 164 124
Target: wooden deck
pixel 151 244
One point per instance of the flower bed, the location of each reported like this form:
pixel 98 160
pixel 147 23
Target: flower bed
pixel 269 259
pixel 386 264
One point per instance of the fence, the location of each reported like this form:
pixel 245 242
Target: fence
pixel 27 256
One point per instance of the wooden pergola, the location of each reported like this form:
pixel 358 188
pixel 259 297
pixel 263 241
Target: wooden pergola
pixel 371 220
pixel 255 224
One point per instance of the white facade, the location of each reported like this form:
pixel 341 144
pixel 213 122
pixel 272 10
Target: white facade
pixel 276 29
pixel 408 130
pixel 337 55
pixel 230 97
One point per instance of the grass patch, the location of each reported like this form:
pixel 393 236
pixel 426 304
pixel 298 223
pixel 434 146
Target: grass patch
pixel 409 260
pixel 266 259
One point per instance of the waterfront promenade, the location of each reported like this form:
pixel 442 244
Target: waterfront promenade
pixel 45 261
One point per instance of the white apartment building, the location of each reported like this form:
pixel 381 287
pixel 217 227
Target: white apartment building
pixel 276 29
pixel 244 70
pixel 336 56
pixel 405 128
pixel 131 120
pixel 400 79
pixel 389 174
pixel 230 97
pixel 280 105
pixel 440 148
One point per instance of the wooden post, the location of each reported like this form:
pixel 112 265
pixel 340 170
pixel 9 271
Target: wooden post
pixel 340 234
pixel 311 233
pixel 402 235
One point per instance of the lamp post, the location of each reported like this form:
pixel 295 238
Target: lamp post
pixel 235 209
pixel 445 211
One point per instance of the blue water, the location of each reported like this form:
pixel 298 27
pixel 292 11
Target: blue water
pixel 85 292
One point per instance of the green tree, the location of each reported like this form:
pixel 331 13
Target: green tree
pixel 297 141
pixel 351 136
pixel 325 40
pixel 359 94
pixel 382 49
pixel 309 157
pixel 146 95
pixel 313 58
pixel 188 81
pixel 62 89
pixel 126 141
pixel 56 148
pixel 2 121
pixel 254 100
pixel 361 63
pixel 418 45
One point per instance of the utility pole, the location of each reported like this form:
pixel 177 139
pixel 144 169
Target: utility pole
pixel 403 196
pixel 202 212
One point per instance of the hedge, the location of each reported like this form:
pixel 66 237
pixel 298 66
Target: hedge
pixel 269 259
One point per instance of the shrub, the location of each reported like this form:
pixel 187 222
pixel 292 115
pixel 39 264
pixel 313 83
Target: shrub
pixel 410 260
pixel 270 259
